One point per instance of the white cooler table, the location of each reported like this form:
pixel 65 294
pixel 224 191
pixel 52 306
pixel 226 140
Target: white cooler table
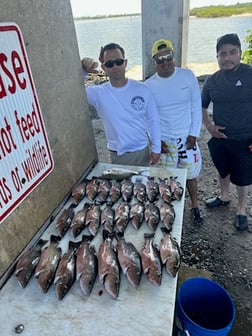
pixel 147 310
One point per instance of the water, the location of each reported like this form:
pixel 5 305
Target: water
pixel 127 31
pixel 92 34
pixel 204 32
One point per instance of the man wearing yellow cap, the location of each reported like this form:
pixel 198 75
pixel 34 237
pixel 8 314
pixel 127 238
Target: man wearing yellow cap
pixel 177 95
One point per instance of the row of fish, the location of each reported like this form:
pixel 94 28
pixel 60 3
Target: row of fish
pixel 147 189
pixel 81 262
pixel 115 217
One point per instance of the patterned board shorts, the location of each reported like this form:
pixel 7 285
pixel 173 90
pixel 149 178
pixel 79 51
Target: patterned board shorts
pixel 180 157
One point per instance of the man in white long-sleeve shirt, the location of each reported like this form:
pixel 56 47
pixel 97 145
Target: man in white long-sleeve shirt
pixel 177 95
pixel 128 112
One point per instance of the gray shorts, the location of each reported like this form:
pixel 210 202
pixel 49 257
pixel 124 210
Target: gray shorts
pixel 137 158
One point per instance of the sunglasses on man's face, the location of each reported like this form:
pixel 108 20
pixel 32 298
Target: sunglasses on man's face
pixel 118 62
pixel 163 58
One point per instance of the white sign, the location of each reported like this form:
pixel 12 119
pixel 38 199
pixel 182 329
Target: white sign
pixel 25 154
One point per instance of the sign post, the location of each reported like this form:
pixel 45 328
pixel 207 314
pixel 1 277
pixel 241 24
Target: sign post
pixel 25 154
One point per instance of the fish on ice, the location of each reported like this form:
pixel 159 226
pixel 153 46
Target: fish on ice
pixel 107 216
pixel 86 265
pixel 152 189
pixel 136 214
pixel 170 253
pixel 48 263
pixel 129 260
pixel 167 215
pixel 122 212
pixel 79 192
pixel 121 173
pixel 151 262
pixel 152 215
pixel 115 191
pixel 27 263
pixel 64 221
pixel 93 218
pixel 127 190
pixel 79 221
pixel 66 271
pixel 108 266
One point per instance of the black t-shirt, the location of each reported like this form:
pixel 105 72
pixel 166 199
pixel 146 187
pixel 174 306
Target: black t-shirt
pixel 231 94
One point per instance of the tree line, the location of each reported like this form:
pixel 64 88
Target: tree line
pixel 219 11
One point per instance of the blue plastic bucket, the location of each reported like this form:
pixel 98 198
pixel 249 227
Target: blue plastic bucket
pixel 204 308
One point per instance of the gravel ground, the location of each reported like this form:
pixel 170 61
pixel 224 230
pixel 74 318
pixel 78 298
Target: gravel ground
pixel 215 246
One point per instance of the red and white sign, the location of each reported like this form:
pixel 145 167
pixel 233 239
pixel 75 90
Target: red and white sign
pixel 25 154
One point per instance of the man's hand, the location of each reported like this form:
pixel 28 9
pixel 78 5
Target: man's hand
pixel 216 131
pixel 190 142
pixel 164 147
pixel 154 158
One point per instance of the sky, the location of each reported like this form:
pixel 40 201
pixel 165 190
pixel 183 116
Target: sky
pixel 107 7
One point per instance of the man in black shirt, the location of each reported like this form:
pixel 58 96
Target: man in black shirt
pixel 230 90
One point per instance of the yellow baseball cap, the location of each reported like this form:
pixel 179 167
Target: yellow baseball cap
pixel 161 45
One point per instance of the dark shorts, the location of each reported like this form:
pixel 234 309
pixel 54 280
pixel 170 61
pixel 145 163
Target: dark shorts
pixel 232 157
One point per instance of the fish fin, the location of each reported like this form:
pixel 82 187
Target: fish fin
pixel 37 274
pixel 17 271
pixel 57 279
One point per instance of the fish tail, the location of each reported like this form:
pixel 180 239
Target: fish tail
pixel 107 235
pixel 144 172
pixel 41 242
pixel 165 230
pixel 86 206
pixel 55 239
pixel 87 238
pixel 73 246
pixel 149 235
pixel 72 206
pixel 119 235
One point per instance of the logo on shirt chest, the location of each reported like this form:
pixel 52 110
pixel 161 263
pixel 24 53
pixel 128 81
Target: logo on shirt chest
pixel 137 103
pixel 238 83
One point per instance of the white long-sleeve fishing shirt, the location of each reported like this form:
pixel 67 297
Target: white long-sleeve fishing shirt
pixel 129 115
pixel 179 103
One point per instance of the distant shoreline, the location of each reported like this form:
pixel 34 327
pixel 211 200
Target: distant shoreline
pixel 99 17
pixel 217 17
